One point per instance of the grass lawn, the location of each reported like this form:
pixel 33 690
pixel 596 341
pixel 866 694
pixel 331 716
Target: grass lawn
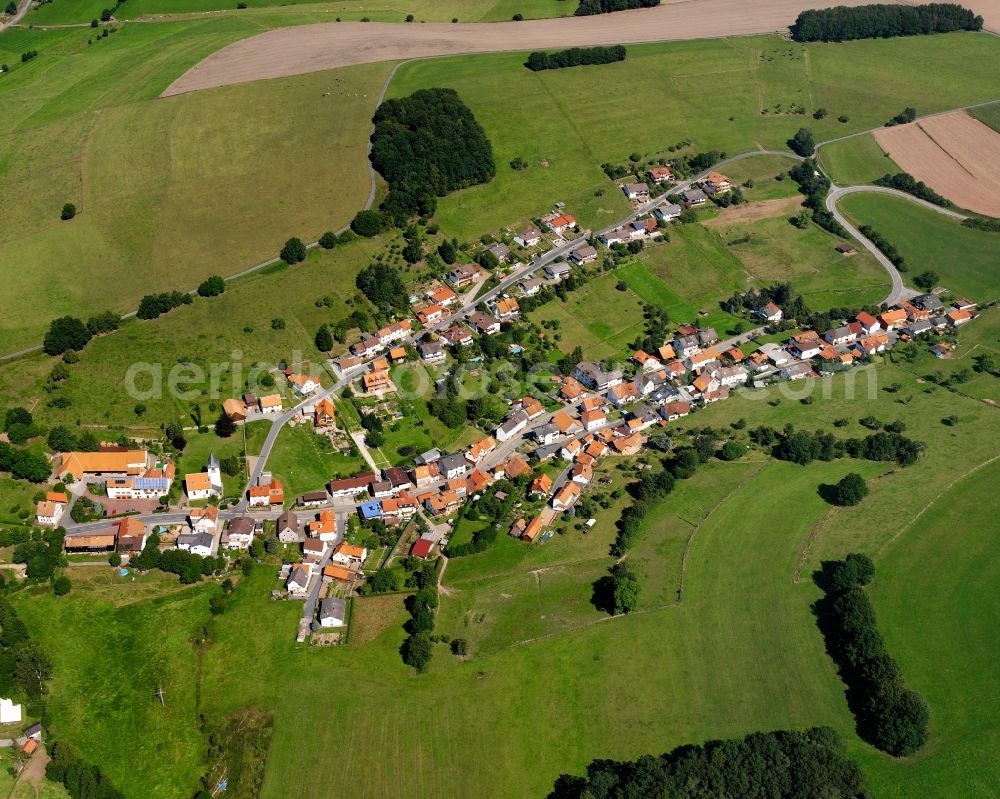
pixel 597 317
pixel 858 159
pixel 209 182
pixel 201 445
pixel 940 624
pixel 740 652
pixel 567 122
pixel 377 11
pixel 14 496
pixel 807 258
pixel 988 115
pixel 964 259
pixel 304 461
pixel 763 170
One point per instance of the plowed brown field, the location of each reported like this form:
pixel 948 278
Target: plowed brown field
pixel 954 154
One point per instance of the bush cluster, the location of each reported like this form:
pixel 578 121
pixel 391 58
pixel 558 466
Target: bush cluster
pixel 815 185
pixel 153 305
pixel 417 649
pixel 575 57
pixel 802 447
pixel 887 247
pixel 882 21
pixel 889 715
pixel 778 765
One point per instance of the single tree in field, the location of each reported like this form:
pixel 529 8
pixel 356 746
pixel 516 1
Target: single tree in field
pixel 802 142
pixel 328 240
pixel 294 251
pixel 68 211
pixel 850 490
pixel 224 426
pixel 367 223
pixel 324 340
pixel 212 287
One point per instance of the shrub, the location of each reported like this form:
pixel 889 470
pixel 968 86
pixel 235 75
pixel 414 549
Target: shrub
pixel 212 287
pixel 328 240
pixel 61 585
pixel 367 223
pixel 294 251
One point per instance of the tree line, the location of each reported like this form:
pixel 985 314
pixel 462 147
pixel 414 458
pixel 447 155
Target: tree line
pixel 887 247
pixel 881 21
pixel 575 57
pixel 418 649
pixel 803 447
pixel 762 765
pixel 425 146
pixel 904 181
pixel 889 715
pixel 23 663
pixel 82 780
pixel 590 7
pixel 815 186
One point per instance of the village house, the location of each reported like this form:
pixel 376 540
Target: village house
pixel 660 174
pixel 839 336
pixel 593 419
pixel 349 486
pixel 566 496
pixel 530 287
pixel 701 360
pixel 805 345
pixel 484 323
pixel 500 251
pixel 512 425
pixel 151 483
pixel 616 236
pixel 443 503
pixel 431 314
pixel 693 198
pixel 770 313
pixel 541 485
pixel 464 274
pixel 796 371
pixel 716 183
pixel 453 466
pixel 203 520
pixel 50 510
pixel 638 192
pixel 298 581
pixel 507 309
pixel 196 543
pixel 672 411
pixel 432 352
pixel 732 356
pixel 583 255
pixel 368 347
pixel 324 527
pixel 558 271
pixel 272 403
pixel 459 335
pixel 398 509
pixel 623 393
pixel 377 380
pixel 324 414
pixel 686 346
pixel 288 528
pixel 207 484
pixel 313 499
pixel 872 345
pixel 480 449
pixel 441 295
pixel 313 549
pixel 370 510
pixel 594 377
pixel 958 318
pixel 394 332
pixel 333 612
pixel 731 376
pixel 422 547
pixel 558 223
pixel 869 324
pixel 528 238
pixel 349 554
pixel 582 473
pixel 531 406
pixel 240 532
pixel 303 384
pixel 668 212
pixel 566 424
pixel 268 492
pixel 894 319
pixel 132 535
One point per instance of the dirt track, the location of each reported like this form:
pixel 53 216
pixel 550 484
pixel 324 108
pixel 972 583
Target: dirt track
pixel 312 48
pixel 954 154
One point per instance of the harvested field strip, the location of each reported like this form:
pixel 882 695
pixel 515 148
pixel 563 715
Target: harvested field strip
pixel 955 154
pixel 311 48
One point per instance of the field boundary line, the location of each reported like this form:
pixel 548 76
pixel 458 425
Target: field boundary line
pixel 892 539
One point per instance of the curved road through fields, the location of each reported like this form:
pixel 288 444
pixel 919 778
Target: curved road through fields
pixel 898 291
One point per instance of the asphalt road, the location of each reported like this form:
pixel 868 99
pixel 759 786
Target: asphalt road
pixel 898 291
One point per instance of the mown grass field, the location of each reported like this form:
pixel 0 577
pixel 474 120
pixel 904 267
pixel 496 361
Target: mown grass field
pixel 964 259
pixel 739 652
pixel 302 462
pixel 167 191
pixel 858 159
pixel 565 123
pixel 200 447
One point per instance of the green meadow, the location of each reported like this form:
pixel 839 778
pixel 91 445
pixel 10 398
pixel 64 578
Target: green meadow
pixel 988 115
pixel 964 258
pixel 737 650
pixel 858 159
